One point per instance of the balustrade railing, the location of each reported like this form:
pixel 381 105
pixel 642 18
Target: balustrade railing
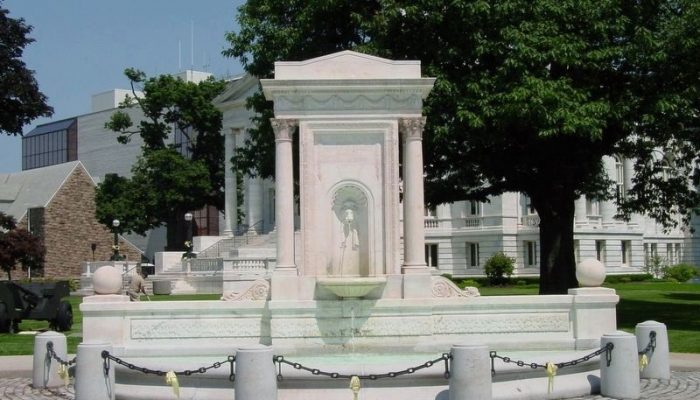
pixel 203 265
pixel 251 265
pixel 532 221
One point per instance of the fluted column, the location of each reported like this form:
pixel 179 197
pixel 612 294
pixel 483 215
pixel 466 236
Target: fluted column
pixel 230 188
pixel 413 214
pixel 284 193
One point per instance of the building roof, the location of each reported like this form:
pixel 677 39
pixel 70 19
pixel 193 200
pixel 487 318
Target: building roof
pixel 32 188
pixel 52 127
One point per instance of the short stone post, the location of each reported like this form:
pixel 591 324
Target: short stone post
pixel 657 354
pixel 91 381
pixel 470 372
pixel 255 374
pixel 620 379
pixel 45 369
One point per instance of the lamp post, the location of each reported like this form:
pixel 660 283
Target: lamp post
pixel 188 243
pixel 115 247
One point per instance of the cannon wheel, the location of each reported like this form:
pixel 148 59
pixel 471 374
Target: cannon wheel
pixel 64 317
pixel 6 325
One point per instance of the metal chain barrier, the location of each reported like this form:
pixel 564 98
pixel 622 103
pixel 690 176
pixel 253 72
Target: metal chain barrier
pixel 652 344
pixel 607 349
pixel 230 359
pixel 51 354
pixel 280 360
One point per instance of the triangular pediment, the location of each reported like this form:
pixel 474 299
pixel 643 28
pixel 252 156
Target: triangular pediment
pixel 347 65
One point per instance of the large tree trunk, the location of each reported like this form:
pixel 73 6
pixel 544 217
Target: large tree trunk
pixel 557 261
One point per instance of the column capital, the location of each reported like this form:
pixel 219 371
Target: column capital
pixel 283 128
pixel 236 130
pixel 412 128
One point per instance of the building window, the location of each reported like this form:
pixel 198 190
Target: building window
pixel 474 208
pixel 654 251
pixel 35 221
pixel 592 207
pixel 472 255
pixel 619 179
pixel 529 208
pixel 50 144
pixel 669 254
pixel 600 250
pixel 626 252
pixel 530 253
pixel 431 255
pixel 678 253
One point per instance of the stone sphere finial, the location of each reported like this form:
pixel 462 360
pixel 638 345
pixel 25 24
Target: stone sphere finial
pixel 107 280
pixel 590 273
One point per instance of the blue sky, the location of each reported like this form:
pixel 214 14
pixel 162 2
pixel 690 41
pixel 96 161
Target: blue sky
pixel 82 48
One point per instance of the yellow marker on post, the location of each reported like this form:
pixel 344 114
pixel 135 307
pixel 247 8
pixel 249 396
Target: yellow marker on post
pixel 355 386
pixel 63 373
pixel 171 379
pixel 551 373
pixel 643 362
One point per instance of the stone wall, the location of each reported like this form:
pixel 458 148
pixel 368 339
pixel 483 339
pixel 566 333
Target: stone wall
pixel 70 227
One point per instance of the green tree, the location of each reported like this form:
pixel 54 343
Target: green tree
pixel 529 97
pixel 18 246
pixel 168 179
pixel 20 98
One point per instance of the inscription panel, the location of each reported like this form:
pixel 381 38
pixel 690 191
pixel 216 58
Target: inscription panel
pixel 504 323
pixel 183 328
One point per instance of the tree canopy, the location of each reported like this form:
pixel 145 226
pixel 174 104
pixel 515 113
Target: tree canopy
pixel 171 176
pixel 529 97
pixel 18 246
pixel 20 98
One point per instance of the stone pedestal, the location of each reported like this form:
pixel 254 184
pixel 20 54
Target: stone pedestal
pixel 620 379
pixel 657 356
pixel 45 368
pixel 92 382
pixel 470 372
pixel 255 374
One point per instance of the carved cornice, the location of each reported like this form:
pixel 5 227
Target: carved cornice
pixel 284 128
pixel 368 100
pixel 412 128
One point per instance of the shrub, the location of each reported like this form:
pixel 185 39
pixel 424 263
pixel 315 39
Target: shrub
pixel 656 266
pixel 680 272
pixel 499 268
pixel 521 282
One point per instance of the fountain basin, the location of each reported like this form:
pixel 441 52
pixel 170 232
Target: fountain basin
pixel 351 287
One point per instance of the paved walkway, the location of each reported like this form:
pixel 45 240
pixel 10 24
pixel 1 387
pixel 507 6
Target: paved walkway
pixel 683 385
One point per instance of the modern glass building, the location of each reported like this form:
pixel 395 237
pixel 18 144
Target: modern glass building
pixel 50 144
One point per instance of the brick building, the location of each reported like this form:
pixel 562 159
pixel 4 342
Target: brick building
pixel 58 204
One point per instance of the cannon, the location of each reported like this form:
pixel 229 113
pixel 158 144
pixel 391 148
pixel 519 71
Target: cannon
pixel 37 301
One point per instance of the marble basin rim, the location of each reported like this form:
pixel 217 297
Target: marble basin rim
pixel 351 287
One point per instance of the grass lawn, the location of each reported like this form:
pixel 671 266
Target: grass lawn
pixel 675 304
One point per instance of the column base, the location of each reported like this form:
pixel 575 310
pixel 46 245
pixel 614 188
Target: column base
pixel 284 284
pixel 417 285
pixel 415 269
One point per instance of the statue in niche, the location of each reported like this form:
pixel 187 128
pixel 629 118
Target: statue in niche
pixel 350 227
pixel 350 256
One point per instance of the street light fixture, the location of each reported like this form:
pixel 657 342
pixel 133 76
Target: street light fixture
pixel 188 243
pixel 115 246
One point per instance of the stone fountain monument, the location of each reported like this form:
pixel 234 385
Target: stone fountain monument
pixel 352 112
